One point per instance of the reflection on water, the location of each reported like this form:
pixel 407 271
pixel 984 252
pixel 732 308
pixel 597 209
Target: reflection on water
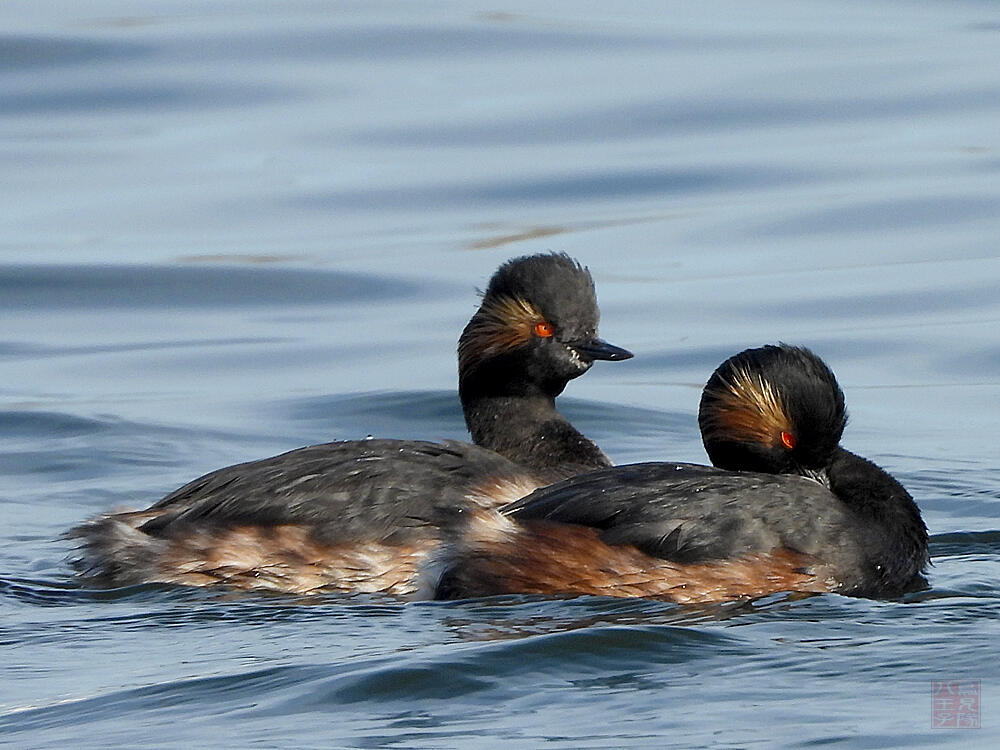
pixel 230 230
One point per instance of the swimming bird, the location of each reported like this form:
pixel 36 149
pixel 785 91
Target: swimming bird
pixel 360 516
pixel 786 508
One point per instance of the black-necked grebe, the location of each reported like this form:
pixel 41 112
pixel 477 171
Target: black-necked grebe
pixel 692 533
pixel 359 516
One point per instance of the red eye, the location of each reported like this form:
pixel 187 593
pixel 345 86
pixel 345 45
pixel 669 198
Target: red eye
pixel 544 330
pixel 788 440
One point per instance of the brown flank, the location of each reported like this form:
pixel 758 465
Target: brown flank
pixel 286 559
pixel 498 556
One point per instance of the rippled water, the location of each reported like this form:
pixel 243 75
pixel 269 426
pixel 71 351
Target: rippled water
pixel 234 228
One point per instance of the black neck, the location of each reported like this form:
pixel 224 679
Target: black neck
pixel 892 522
pixel 527 429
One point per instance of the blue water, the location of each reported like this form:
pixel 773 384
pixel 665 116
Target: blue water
pixel 234 228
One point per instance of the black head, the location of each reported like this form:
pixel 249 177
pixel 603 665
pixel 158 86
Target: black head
pixel 776 409
pixel 536 328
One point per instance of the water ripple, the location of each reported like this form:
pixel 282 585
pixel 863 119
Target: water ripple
pixel 129 287
pixel 31 52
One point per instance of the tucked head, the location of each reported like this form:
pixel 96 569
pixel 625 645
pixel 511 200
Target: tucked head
pixel 776 409
pixel 536 327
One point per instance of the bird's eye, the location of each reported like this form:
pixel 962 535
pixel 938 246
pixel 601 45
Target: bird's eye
pixel 544 330
pixel 788 440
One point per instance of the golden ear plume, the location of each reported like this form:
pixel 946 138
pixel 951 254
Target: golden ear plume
pixel 501 324
pixel 747 408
